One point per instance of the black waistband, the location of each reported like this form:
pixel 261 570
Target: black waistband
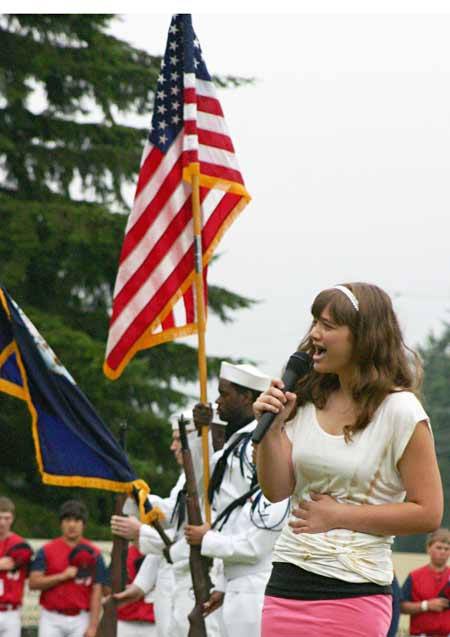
pixel 292 582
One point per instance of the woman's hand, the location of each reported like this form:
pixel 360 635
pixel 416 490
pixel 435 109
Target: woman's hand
pixel 276 401
pixel 316 516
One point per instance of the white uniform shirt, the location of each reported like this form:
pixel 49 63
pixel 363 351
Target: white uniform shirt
pixel 363 471
pixel 147 576
pixel 246 540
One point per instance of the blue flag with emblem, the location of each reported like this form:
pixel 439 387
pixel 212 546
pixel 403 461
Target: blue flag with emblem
pixel 74 447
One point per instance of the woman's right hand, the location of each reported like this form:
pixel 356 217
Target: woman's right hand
pixel 276 401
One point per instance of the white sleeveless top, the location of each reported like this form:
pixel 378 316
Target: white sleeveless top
pixel 363 471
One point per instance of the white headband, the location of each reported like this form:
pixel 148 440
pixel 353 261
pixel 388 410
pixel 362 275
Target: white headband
pixel 349 294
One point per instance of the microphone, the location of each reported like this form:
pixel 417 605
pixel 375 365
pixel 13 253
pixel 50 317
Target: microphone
pixel 297 366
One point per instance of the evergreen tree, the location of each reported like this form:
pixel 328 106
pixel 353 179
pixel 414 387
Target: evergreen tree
pixel 436 358
pixel 65 82
pixel 435 354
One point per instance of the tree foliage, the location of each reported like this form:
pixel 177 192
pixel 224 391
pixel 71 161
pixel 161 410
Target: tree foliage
pixel 65 162
pixel 435 354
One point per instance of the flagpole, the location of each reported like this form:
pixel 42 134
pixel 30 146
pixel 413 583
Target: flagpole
pixel 201 329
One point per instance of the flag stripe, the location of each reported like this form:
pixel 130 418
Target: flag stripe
pixel 216 140
pixel 207 137
pixel 189 305
pixel 221 172
pixel 151 188
pixel 152 159
pixel 209 105
pixel 168 322
pixel 152 210
pixel 218 156
pixel 205 121
pixel 147 241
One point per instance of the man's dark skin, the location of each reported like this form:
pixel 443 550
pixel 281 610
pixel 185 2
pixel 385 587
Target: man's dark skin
pixel 235 407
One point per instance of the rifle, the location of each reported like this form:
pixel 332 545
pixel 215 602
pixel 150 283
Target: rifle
pixel 118 567
pixel 108 623
pixel 198 564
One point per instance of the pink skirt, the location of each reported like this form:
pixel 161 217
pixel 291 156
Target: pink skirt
pixel 368 616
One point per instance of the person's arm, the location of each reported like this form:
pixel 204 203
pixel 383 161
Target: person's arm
pixel 95 602
pixel 421 513
pixel 146 577
pixel 248 546
pixel 274 452
pixel 132 593
pixel 40 582
pixel 410 607
pixel 95 605
pixel 434 605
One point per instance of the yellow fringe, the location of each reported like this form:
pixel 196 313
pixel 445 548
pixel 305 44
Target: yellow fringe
pixel 147 517
pixel 155 515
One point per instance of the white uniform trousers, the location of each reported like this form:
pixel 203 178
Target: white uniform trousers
pixel 163 599
pixel 53 624
pixel 10 623
pixel 135 629
pixel 183 603
pixel 243 604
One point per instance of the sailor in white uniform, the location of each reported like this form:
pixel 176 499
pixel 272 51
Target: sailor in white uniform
pixel 246 524
pixel 171 608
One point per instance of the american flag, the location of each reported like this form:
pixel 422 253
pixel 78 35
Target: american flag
pixel 154 297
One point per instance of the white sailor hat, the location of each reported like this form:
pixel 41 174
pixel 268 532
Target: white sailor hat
pixel 188 419
pixel 245 376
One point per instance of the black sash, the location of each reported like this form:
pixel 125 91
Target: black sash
pixel 225 514
pixel 221 465
pixel 179 510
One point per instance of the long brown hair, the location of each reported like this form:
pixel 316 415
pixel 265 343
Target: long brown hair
pixel 383 363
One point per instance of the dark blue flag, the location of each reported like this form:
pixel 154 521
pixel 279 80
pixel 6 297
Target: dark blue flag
pixel 74 447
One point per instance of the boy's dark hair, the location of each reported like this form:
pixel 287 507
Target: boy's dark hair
pixel 73 509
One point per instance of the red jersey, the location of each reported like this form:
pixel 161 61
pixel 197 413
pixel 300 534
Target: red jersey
pixel 140 611
pixel 12 582
pixel 423 584
pixel 72 595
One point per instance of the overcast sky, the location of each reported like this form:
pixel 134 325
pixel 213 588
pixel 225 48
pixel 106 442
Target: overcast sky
pixel 344 144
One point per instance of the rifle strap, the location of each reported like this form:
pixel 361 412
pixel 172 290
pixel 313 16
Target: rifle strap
pixel 221 465
pixel 225 514
pixel 179 510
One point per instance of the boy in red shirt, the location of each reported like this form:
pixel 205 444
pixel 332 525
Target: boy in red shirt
pixel 15 556
pixel 70 572
pixel 426 591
